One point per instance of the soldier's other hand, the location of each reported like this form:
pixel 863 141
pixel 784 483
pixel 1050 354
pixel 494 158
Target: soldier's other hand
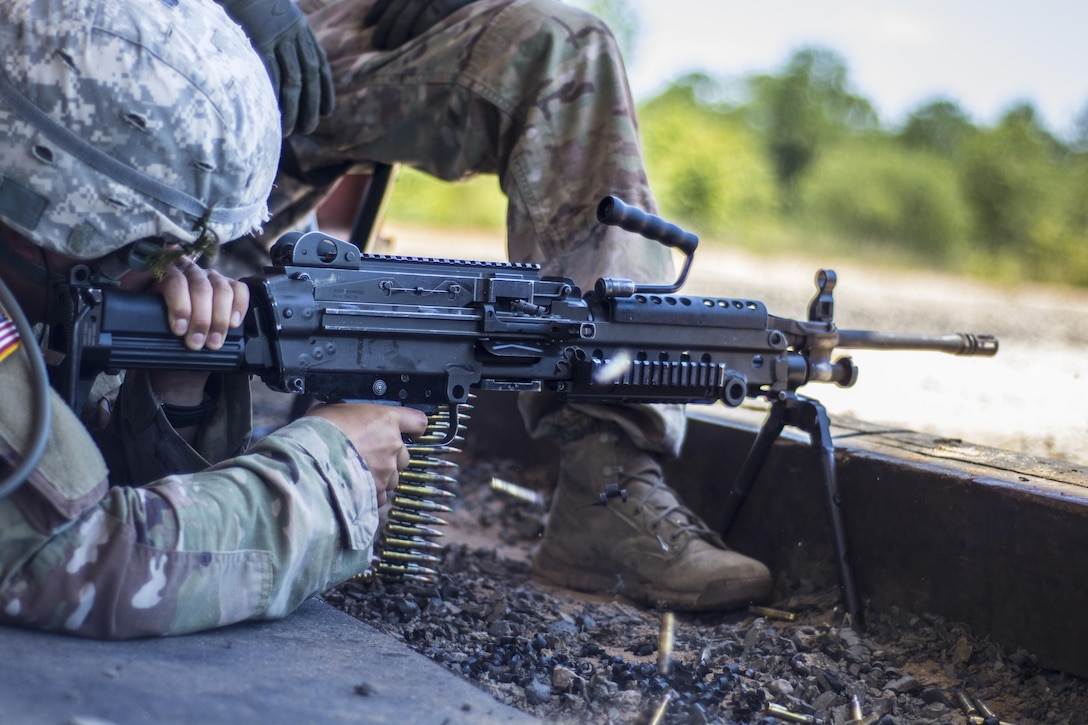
pixel 202 304
pixel 378 433
pixel 398 21
pixel 295 62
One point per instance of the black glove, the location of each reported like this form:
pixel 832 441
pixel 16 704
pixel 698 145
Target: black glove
pixel 399 21
pixel 295 62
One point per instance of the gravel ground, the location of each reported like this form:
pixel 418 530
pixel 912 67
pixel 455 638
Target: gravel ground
pixel 573 658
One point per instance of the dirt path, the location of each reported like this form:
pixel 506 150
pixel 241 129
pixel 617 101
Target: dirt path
pixel 1031 398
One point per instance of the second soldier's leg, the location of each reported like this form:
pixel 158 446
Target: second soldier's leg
pixel 535 92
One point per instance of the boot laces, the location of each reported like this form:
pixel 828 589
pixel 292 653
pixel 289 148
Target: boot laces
pixel 686 523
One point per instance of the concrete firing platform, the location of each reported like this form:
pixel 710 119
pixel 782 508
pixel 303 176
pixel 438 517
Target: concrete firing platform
pixel 313 666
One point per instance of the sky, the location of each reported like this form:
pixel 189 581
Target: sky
pixel 985 55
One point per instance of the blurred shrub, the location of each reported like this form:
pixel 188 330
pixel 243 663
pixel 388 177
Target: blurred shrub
pixel 419 198
pixel 705 165
pixel 879 192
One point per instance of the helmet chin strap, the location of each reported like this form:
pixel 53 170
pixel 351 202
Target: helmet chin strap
pixel 103 272
pixel 35 273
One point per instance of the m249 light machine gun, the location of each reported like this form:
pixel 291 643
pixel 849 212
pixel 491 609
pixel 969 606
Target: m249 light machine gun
pixel 336 324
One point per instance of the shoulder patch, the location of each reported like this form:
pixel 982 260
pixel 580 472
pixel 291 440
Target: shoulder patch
pixel 9 336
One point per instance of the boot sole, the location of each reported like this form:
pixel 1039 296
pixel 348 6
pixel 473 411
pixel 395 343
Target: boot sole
pixel 720 596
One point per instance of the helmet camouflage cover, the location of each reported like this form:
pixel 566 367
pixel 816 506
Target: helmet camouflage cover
pixel 123 120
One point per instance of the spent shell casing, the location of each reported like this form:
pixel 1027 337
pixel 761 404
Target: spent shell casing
pixel 419 504
pixel 409 557
pixel 410 477
pixel 665 642
pixel 415 517
pixel 769 613
pixel 964 701
pixel 401 542
pixel 659 713
pixel 781 713
pixel 855 708
pixel 869 720
pixel 983 708
pixel 977 719
pixel 513 490
pixel 398 529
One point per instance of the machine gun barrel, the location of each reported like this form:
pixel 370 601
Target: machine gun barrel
pixel 335 324
pixel 957 343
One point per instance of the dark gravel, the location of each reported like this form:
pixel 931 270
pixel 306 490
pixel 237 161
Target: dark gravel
pixel 573 658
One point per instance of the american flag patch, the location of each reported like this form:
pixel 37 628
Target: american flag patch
pixel 9 336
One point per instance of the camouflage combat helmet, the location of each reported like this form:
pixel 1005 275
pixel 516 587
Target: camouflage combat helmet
pixel 122 121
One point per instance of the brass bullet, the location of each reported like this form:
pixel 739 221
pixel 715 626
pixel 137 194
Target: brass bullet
pixel 417 463
pixel 418 504
pixel 425 438
pixel 406 530
pixel 409 557
pixel 424 450
pixel 388 569
pixel 415 517
pixel 400 542
pixel 420 491
pixel 409 476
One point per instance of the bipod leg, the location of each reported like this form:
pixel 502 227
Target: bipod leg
pixel 753 464
pixel 811 417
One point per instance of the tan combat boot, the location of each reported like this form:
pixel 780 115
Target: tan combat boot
pixel 648 547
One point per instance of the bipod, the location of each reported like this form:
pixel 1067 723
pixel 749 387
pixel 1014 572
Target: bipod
pixel 810 416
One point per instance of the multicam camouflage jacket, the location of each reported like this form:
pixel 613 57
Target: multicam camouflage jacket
pixel 202 545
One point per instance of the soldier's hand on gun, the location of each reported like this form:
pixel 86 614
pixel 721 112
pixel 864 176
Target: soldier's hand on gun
pixel 201 304
pixel 378 433
pixel 296 63
pixel 398 21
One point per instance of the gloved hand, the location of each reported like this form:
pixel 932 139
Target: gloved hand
pixel 295 62
pixel 398 21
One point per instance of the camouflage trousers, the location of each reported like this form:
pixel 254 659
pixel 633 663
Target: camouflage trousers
pixel 532 91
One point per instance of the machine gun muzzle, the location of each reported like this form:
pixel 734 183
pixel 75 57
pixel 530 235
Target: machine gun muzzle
pixel 957 343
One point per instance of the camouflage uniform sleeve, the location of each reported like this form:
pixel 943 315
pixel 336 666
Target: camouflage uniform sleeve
pixel 140 445
pixel 249 538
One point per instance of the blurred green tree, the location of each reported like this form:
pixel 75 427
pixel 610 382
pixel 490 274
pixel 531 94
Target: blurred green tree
pixel 703 160
pixel 940 126
pixel 803 110
pixel 877 191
